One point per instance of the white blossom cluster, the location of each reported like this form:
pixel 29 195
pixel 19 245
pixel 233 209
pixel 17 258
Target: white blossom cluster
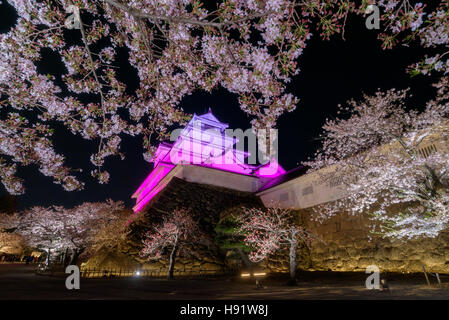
pixel 376 151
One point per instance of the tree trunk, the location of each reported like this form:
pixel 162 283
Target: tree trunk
pixel 246 261
pixel 48 256
pixel 292 256
pixel 171 267
pixel 66 253
pixel 75 255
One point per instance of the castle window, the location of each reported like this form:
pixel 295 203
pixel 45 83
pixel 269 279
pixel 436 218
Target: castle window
pixel 338 226
pixel 254 185
pixel 424 152
pixel 307 190
pixel 335 181
pixel 283 196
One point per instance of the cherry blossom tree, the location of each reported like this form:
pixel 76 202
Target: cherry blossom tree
pixel 57 229
pixel 170 237
pixel 376 153
pixel 41 228
pixel 82 223
pixel 10 242
pixel 268 230
pixel 251 48
pixel 114 233
pixel 406 22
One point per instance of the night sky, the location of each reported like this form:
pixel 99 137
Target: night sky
pixel 331 73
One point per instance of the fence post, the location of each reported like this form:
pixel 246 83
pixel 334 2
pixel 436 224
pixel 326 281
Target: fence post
pixel 438 278
pixel 425 274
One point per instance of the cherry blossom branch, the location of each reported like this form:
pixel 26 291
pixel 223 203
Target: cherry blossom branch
pixel 154 18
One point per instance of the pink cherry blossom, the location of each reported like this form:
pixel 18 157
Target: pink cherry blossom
pixel 268 230
pixel 176 48
pixel 177 229
pixel 377 154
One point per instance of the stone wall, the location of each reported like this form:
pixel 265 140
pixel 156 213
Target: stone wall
pixel 349 246
pixel 206 204
pixel 347 242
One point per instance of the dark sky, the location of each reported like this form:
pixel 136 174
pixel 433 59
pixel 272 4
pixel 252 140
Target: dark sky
pixel 331 73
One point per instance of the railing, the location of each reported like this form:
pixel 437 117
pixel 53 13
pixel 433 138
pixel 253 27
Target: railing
pixel 155 273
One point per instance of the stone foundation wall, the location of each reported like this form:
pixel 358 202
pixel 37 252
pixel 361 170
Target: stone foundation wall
pixel 117 261
pixel 349 246
pixel 206 203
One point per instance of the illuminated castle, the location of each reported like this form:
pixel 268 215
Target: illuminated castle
pixel 203 169
pixel 202 152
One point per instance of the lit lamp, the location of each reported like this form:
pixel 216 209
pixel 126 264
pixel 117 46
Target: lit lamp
pixel 138 272
pixel 257 276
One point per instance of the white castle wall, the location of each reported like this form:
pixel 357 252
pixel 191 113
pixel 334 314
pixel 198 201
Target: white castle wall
pixel 219 178
pixel 303 192
pixel 307 191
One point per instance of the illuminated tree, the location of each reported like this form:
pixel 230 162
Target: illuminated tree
pixel 114 233
pixel 41 228
pixel 269 230
pixel 55 229
pixel 170 237
pixel 376 153
pixel 83 223
pixel 10 242
pixel 250 48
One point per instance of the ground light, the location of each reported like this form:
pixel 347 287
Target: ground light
pixel 257 277
pixel 255 274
